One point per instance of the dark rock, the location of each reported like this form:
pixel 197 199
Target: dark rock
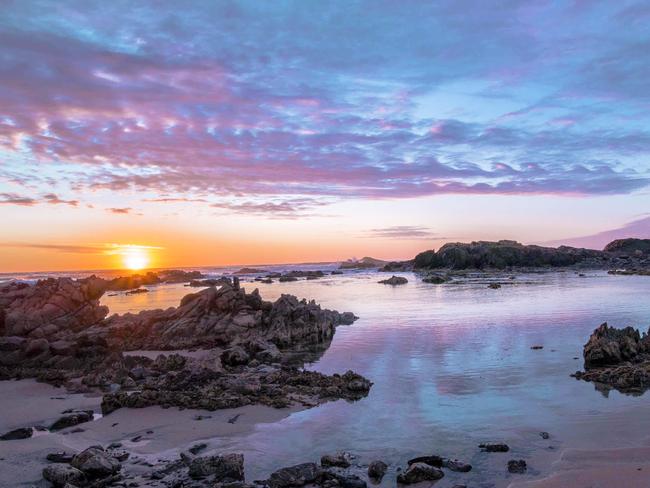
pixel 501 255
pixel 284 279
pixel 433 460
pixel 251 271
pixel 517 466
pixel 418 472
pixel 94 462
pixel 338 459
pixel 22 433
pixel 441 462
pixel 394 280
pixel 536 348
pixel 62 474
pixel 137 291
pixel 196 448
pixel 70 420
pixel 494 286
pixel 36 346
pixel 456 465
pixel 496 447
pixel 298 475
pixel 435 279
pixel 628 246
pixel 397 266
pixel 227 466
pixel 545 435
pixel 610 346
pixel 377 470
pixel 345 480
pixel 13 343
pixel 235 356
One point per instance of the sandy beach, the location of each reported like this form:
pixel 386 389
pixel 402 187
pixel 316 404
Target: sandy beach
pixel 161 433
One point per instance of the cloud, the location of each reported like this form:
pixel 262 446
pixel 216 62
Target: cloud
pixel 120 211
pixel 107 249
pixel 404 232
pixel 355 102
pixel 65 248
pixel 284 209
pixel 54 200
pixel 50 198
pixel 14 199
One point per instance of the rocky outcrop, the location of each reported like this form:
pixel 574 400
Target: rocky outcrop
pixel 617 358
pixel 51 308
pixel 211 390
pixel 608 346
pixel 397 266
pixel 629 246
pixel 419 472
pixel 22 433
pixel 220 317
pixel 251 271
pixel 363 263
pixel 517 466
pixel 501 255
pixel 394 280
pixel 377 470
pixel 81 349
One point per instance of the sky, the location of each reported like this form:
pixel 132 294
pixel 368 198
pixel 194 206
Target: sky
pixel 240 132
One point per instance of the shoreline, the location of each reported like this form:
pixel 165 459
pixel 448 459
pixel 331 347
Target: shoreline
pixel 28 402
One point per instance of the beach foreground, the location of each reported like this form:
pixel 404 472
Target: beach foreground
pixel 477 365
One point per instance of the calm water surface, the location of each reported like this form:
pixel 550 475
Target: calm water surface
pixel 452 367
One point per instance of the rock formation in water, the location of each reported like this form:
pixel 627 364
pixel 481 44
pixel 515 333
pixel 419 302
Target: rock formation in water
pixel 501 255
pixel 629 246
pixel 56 330
pixel 617 358
pixel 394 281
pixel 363 263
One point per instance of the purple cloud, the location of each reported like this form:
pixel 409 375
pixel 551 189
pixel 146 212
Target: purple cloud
pixel 276 115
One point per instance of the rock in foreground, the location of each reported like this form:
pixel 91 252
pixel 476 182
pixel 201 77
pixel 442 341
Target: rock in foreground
pixel 617 358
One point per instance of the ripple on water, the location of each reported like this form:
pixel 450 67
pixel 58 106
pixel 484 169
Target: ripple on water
pixel 452 367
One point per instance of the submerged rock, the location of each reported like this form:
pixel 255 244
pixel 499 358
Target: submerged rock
pixel 517 466
pixel 22 433
pixel 223 467
pixel 494 447
pixel 394 280
pixel 72 419
pixel 418 472
pixel 377 470
pixel 298 475
pixel 442 462
pixel 338 459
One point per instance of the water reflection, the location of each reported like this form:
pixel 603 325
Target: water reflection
pixel 452 367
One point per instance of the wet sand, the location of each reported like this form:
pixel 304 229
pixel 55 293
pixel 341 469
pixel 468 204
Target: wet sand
pixel 597 468
pixel 163 432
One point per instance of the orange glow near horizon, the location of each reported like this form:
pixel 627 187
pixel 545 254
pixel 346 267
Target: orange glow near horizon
pixel 135 258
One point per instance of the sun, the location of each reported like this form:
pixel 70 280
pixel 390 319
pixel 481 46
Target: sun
pixel 135 258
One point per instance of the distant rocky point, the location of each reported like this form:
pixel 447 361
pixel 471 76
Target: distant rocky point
pixel 363 263
pixel 623 254
pixel 630 246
